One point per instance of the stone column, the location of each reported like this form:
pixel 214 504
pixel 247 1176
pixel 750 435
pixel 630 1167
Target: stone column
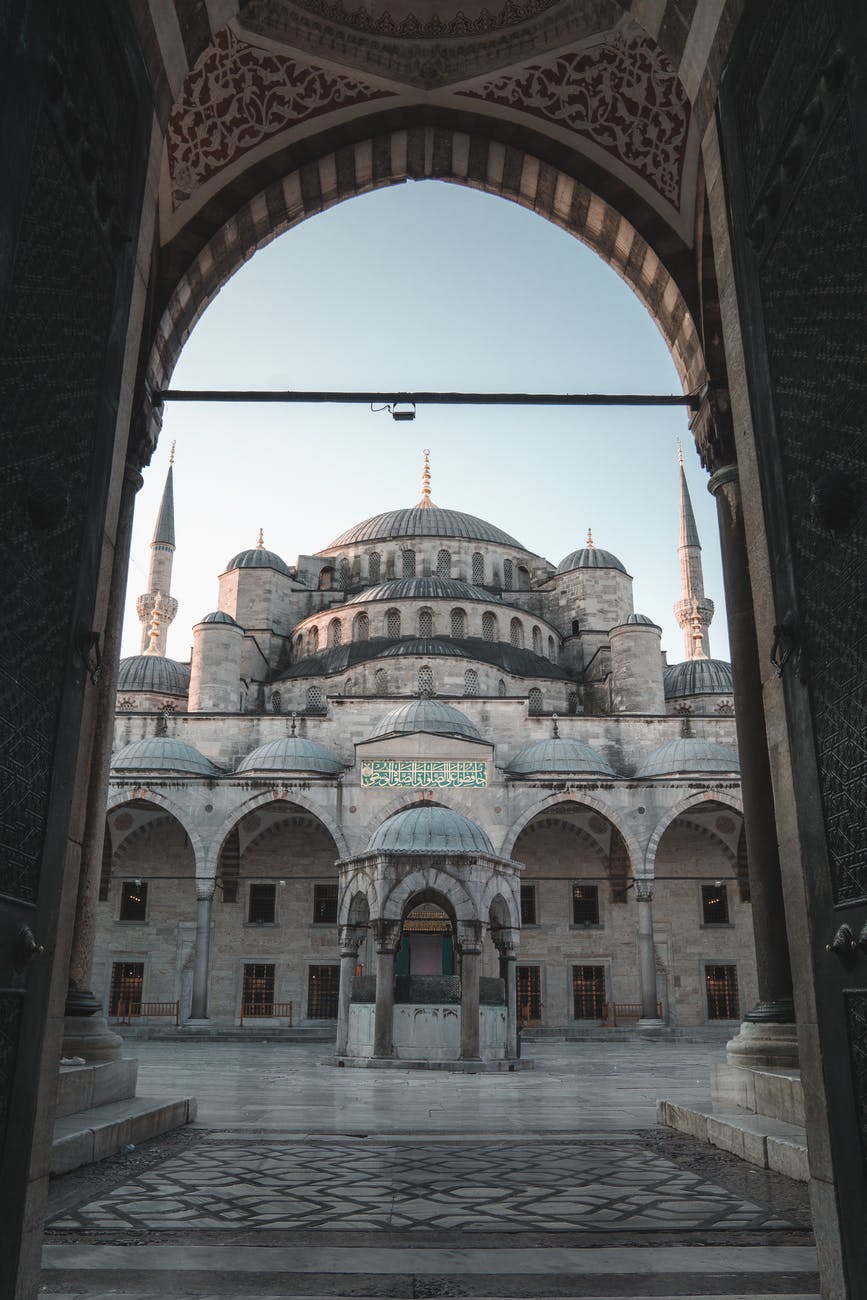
pixel 350 941
pixel 87 1034
pixel 646 956
pixel 508 974
pixel 767 1036
pixel 469 937
pixel 202 966
pixel 387 937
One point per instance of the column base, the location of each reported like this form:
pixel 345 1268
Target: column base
pixel 197 1022
pixel 771 1044
pixel 81 1002
pixel 90 1038
pixel 776 1011
pixel 651 1022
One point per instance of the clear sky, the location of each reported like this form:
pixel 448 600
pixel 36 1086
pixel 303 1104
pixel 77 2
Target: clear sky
pixel 426 286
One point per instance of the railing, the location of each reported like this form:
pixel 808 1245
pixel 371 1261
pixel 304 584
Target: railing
pixel 129 1011
pixel 266 1011
pixel 614 1012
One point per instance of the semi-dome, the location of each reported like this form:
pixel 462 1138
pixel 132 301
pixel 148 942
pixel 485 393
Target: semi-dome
pixel 291 754
pixel 423 589
pixel 163 754
pixel 590 557
pixel 153 673
pixel 688 754
pixel 429 830
pixel 423 648
pixel 423 521
pixel 219 616
pixel 697 677
pixel 559 754
pixel 427 715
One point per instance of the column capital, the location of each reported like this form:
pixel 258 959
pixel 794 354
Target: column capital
pixel 713 428
pixel 205 888
pixel 386 935
pixel 469 936
pixel 506 942
pixel 351 938
pixel 644 890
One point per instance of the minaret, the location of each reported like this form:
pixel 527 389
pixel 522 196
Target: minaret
pixel 426 503
pixel 160 575
pixel 693 611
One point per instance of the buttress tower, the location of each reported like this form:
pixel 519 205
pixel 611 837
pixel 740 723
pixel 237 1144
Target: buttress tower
pixel 694 610
pixel 155 621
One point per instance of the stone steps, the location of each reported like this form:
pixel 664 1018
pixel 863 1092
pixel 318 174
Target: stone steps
pixel 258 1032
pixel 759 1139
pixel 101 1131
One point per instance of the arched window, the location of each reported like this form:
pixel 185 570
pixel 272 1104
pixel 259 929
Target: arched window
pixel 572 702
pixel 313 640
pixel 501 689
pixel 298 643
pixel 444 564
pixel 360 627
pixel 347 686
pixel 489 626
pixel 425 623
pixel 425 680
pixel 478 568
pixel 392 623
pixel 345 571
pixel 380 682
pixel 276 702
pixel 471 682
pixel 459 624
pixel 408 564
pixel 508 569
pixel 516 632
pixel 315 700
pixel 373 566
pixel 537 640
pixel 534 701
pixel 552 653
pixel 335 632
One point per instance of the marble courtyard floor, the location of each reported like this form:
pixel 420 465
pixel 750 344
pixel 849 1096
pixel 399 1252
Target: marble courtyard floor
pixel 299 1179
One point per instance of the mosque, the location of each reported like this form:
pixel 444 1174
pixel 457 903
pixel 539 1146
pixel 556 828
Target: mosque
pixel 425 771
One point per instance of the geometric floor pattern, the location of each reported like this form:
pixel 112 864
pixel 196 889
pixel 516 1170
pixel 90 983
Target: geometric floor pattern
pixel 486 1186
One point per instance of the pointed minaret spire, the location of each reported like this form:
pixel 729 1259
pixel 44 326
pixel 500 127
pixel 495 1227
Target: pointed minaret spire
pixel 426 503
pixel 160 573
pixel 589 543
pixel 260 541
pixel 694 610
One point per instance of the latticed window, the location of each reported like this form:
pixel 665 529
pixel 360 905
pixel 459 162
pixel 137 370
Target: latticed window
pixel 444 564
pixel 528 905
pixel 714 905
pixel 721 983
pixel 335 632
pixel 133 900
pixel 425 623
pixel 471 682
pixel 315 700
pixel 534 701
pixel 516 632
pixel 489 626
pixel 344 570
pixel 407 564
pixel 325 904
pixel 276 701
pixel 478 568
pixel 323 984
pixel 508 574
pixel 501 688
pixel 347 686
pixel 459 624
pixel 529 989
pixel 361 628
pixel 537 640
pixel 257 997
pixel 585 904
pixel 313 640
pixel 588 992
pixel 374 566
pixel 392 623
pixel 425 680
pixel 380 682
pixel 572 702
pixel 124 996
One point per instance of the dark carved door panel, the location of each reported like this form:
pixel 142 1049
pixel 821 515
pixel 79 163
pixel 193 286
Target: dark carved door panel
pixel 74 109
pixel 793 121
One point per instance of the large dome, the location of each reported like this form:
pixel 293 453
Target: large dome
pixel 697 677
pixel 423 521
pixel 559 755
pixel 291 754
pixel 430 830
pixel 688 755
pixel 162 754
pixel 423 589
pixel 426 715
pixel 153 673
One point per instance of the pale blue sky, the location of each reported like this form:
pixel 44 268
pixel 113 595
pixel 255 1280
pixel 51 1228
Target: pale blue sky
pixel 428 286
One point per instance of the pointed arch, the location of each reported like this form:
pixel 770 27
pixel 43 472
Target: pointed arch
pixel 575 795
pixel 276 794
pixel 726 797
pixel 134 794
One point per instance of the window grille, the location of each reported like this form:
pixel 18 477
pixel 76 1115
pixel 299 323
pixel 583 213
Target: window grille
pixel 262 909
pixel 459 624
pixel 133 900
pixel 529 990
pixel 572 702
pixel 528 905
pixel 257 997
pixel 325 904
pixel 444 564
pixel 425 680
pixel 276 702
pixel 721 983
pixel 534 702
pixel 361 628
pixel 471 682
pixel 323 984
pixel 345 572
pixel 374 563
pixel 588 992
pixel 315 700
pixel 714 905
pixel 489 626
pixel 585 904
pixel 478 568
pixel 501 688
pixel 425 623
pixel 408 564
pixel 124 996
pixel 380 682
pixel 105 868
pixel 313 640
pixel 508 572
pixel 537 640
pixel 335 632
pixel 392 623
pixel 516 632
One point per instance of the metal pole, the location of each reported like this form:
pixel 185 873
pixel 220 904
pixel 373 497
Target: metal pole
pixel 689 400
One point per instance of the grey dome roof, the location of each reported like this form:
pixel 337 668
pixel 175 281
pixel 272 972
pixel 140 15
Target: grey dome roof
pixel 153 673
pixel 423 521
pixel 559 755
pixel 426 715
pixel 423 589
pixel 219 616
pixel 429 830
pixel 697 677
pixel 258 558
pixel 164 754
pixel 423 648
pixel 502 654
pixel 291 754
pixel 689 755
pixel 590 557
pixel 641 619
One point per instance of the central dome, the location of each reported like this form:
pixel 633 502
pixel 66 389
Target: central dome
pixel 423 521
pixel 423 589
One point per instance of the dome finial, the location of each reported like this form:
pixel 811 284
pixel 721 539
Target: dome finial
pixel 589 542
pixel 425 503
pixel 555 724
pixel 260 543
pixel 293 724
pixel 172 454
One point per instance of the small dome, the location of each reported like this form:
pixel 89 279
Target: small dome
pixel 153 673
pixel 219 616
pixel 641 619
pixel 291 754
pixel 423 648
pixel 163 754
pixel 429 830
pixel 423 589
pixel 697 677
pixel 590 557
pixel 421 521
pixel 426 715
pixel 689 755
pixel 559 755
pixel 258 558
